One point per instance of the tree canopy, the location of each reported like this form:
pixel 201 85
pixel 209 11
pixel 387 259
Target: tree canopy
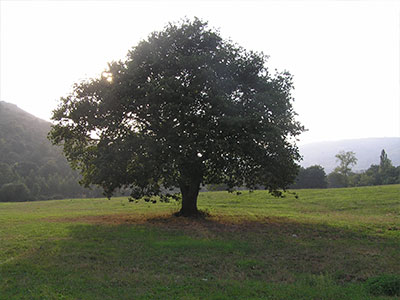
pixel 313 177
pixel 346 161
pixel 185 108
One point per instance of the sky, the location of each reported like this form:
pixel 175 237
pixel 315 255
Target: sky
pixel 344 55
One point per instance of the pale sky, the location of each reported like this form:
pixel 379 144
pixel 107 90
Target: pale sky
pixel 344 55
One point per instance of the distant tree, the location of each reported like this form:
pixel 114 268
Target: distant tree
pixel 387 172
pixel 346 161
pixel 384 173
pixel 367 178
pixel 186 108
pixel 6 174
pixel 390 176
pixel 354 179
pixel 336 180
pixel 14 192
pixel 385 163
pixel 370 177
pixel 49 168
pixel 25 168
pixel 310 178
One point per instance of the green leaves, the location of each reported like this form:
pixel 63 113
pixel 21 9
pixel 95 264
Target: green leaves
pixel 185 105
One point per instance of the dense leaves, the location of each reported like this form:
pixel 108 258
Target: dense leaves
pixel 186 108
pixel 311 178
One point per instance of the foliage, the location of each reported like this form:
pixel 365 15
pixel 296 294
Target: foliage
pixel 340 176
pixel 6 174
pixel 30 167
pixel 382 174
pixel 336 180
pixel 312 177
pixel 370 176
pixel 14 192
pixel 346 161
pixel 387 285
pixel 387 172
pixel 186 108
pixel 385 162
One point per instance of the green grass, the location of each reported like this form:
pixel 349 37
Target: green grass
pixel 324 245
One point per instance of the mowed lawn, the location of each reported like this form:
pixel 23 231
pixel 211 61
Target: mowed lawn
pixel 323 245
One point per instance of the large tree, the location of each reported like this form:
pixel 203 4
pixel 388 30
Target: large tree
pixel 185 108
pixel 313 177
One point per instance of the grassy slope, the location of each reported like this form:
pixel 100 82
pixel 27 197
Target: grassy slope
pixel 320 246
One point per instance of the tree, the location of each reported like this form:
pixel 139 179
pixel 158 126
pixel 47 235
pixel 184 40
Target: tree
pixel 6 174
pixel 14 192
pixel 25 168
pixel 336 180
pixel 346 161
pixel 186 108
pixel 387 172
pixel 368 178
pixel 313 177
pixel 384 163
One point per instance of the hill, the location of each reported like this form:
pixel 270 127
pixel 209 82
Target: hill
pixel 23 137
pixel 31 168
pixel 367 152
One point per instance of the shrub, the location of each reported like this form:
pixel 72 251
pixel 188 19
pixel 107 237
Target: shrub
pixel 13 192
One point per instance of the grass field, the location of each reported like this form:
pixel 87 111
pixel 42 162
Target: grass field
pixel 322 246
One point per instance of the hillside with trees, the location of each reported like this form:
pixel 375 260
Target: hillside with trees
pixel 31 168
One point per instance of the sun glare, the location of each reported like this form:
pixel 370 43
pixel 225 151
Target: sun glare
pixel 107 76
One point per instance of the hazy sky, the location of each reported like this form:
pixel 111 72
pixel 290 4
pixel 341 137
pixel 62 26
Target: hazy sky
pixel 344 55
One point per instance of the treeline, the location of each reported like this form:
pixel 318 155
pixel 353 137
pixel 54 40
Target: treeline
pixel 25 181
pixel 343 176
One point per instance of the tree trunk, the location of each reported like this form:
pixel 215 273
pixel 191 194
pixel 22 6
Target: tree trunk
pixel 190 191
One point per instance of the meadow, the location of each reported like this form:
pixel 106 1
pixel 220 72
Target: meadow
pixel 324 245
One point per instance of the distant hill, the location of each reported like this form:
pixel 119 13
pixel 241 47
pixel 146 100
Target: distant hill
pixel 367 152
pixel 31 168
pixel 23 137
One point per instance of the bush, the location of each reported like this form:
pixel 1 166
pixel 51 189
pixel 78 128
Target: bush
pixel 14 192
pixel 388 285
